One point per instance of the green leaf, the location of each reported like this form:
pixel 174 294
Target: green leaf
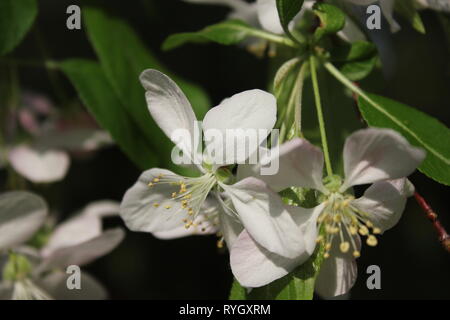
pixel 226 33
pixel 122 67
pixel 419 128
pixel 298 285
pixel 332 19
pixel 358 59
pixel 99 97
pixel 407 9
pixel 16 18
pixel 287 10
pixel 237 291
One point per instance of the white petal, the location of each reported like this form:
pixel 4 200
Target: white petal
pixel 205 223
pixel 152 209
pixel 21 215
pixel 384 202
pixel 306 220
pixel 372 155
pixel 169 107
pixel 85 252
pixel 253 266
pixel 234 129
pixel 82 227
pixel 268 16
pixel 6 291
pixel 102 209
pixel 300 164
pixel 55 283
pixel 266 217
pixel 39 166
pixel 338 273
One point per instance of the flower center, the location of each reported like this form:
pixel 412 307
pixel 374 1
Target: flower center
pixel 340 219
pixel 186 195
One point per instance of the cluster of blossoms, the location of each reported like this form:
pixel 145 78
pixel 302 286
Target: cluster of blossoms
pixel 267 238
pixel 35 254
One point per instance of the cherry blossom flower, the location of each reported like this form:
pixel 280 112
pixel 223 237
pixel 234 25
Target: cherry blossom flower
pixel 162 202
pixel 38 274
pixel 380 157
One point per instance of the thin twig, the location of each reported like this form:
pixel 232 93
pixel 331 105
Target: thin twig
pixel 444 237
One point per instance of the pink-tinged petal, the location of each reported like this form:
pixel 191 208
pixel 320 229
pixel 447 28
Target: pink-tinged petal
pixel 384 202
pixel 39 166
pixel 206 223
pixel 265 217
pixel 21 215
pixel 338 273
pixel 83 253
pixel 152 209
pixel 55 283
pixel 298 163
pixel 169 107
pixel 236 128
pixel 372 155
pixel 253 266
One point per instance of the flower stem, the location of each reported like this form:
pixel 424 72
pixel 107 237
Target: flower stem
pixel 323 133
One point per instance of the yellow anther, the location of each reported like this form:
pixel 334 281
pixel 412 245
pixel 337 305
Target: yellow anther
pixel 356 254
pixel 328 246
pixel 344 246
pixel 334 230
pixel 353 230
pixel 345 203
pixel 168 206
pixel 174 194
pixel 337 218
pixel 188 196
pixel 220 244
pixel 150 184
pixel 184 204
pixel 156 204
pixel 363 231
pixel 190 211
pixel 319 239
pixel 326 255
pixel 372 241
pixel 376 230
pixel 156 180
pixel 369 224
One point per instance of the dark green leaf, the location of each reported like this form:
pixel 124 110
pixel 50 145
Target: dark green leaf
pixel 332 19
pixel 237 291
pixel 298 285
pixel 16 18
pixel 287 10
pixel 358 59
pixel 226 33
pixel 102 102
pixel 123 57
pixel 420 129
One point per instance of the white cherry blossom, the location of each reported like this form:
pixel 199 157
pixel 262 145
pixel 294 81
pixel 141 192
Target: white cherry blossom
pixel 380 157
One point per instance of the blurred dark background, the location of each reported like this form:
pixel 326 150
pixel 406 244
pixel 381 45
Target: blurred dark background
pixel 413 264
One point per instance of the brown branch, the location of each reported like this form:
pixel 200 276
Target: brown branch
pixel 444 237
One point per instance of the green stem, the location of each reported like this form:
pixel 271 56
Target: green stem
pixel 323 134
pixel 274 38
pixel 298 89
